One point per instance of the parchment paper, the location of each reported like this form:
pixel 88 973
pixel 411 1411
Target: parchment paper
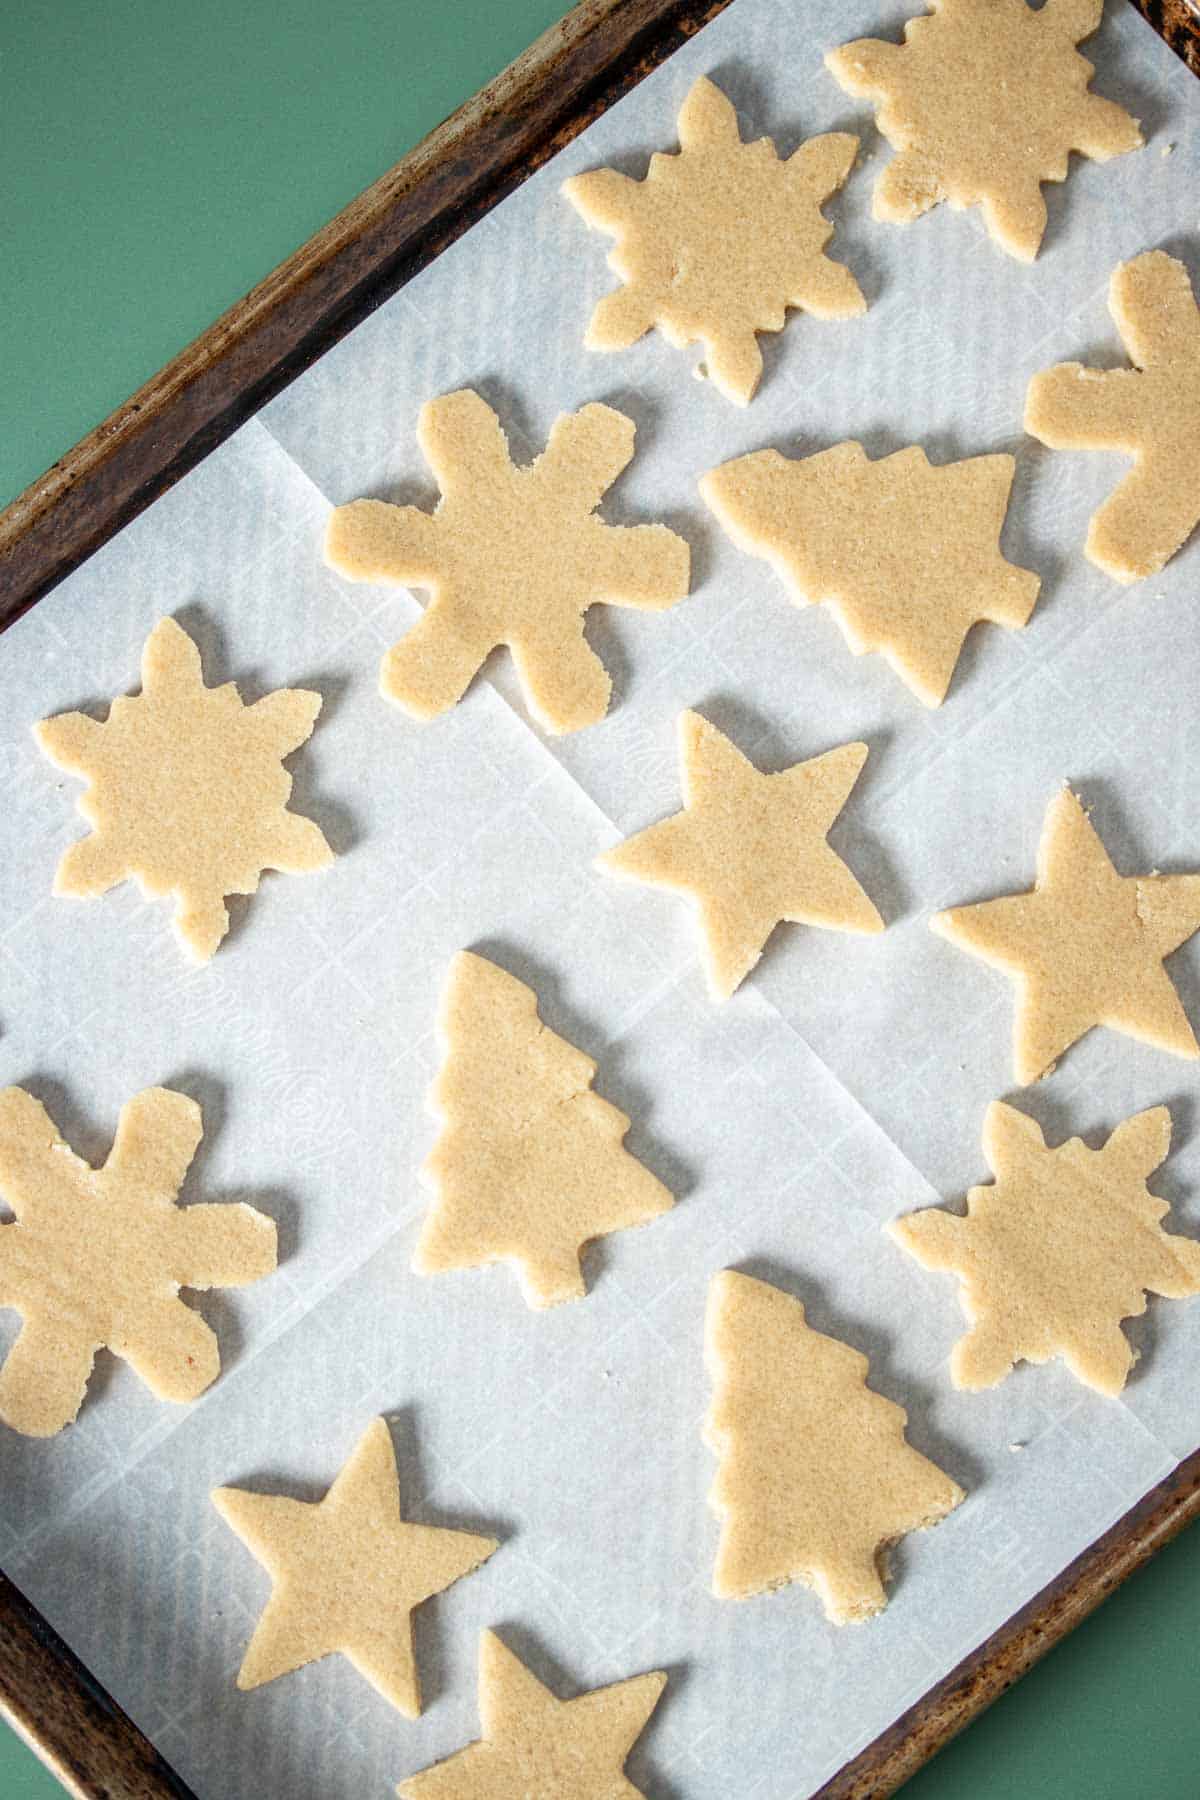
pixel 847 1081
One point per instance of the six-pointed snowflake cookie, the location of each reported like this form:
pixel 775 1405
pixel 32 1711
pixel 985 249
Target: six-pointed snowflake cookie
pixel 816 1478
pixel 537 1747
pixel 1057 1251
pixel 530 1163
pixel 347 1573
pixel 187 793
pixel 719 241
pixel 511 556
pixel 983 101
pixel 1150 412
pixel 905 555
pixel 95 1258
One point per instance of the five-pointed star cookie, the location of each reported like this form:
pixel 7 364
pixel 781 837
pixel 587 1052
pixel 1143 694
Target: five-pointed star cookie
pixel 1085 945
pixel 1057 1251
pixel 750 849
pixel 347 1573
pixel 983 101
pixel 719 241
pixel 511 556
pixel 530 1163
pixel 187 792
pixel 96 1257
pixel 537 1747
pixel 906 556
pixel 1150 412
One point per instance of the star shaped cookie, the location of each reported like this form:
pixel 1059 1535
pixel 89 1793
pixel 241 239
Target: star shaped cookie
pixel 537 1747
pixel 983 101
pixel 717 242
pixel 347 1573
pixel 1085 945
pixel 750 849
pixel 1150 412
pixel 1057 1251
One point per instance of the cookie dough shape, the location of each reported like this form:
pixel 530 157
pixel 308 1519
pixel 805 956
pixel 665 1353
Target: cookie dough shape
pixel 816 1479
pixel 983 101
pixel 1055 1252
pixel 347 1573
pixel 750 849
pixel 719 241
pixel 537 1747
pixel 1085 945
pixel 906 556
pixel 511 556
pixel 187 793
pixel 1150 412
pixel 529 1165
pixel 95 1258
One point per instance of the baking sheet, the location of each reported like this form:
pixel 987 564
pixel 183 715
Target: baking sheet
pixel 845 1083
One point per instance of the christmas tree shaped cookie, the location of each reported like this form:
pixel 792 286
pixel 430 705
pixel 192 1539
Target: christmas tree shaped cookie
pixel 1061 1247
pixel 511 556
pixel 1085 946
pixel 905 555
pixel 347 1572
pixel 983 102
pixel 750 849
pixel 717 242
pixel 1150 412
pixel 95 1258
pixel 187 793
pixel 537 1747
pixel 529 1165
pixel 816 1479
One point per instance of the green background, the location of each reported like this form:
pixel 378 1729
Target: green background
pixel 155 162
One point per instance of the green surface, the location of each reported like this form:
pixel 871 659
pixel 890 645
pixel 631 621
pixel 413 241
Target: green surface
pixel 157 161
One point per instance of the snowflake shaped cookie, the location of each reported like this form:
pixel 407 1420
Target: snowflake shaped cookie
pixel 187 793
pixel 1062 1246
pixel 983 101
pixel 96 1257
pixel 511 556
pixel 719 241
pixel 1150 412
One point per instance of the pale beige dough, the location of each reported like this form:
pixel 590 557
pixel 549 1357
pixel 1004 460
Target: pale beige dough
pixel 1150 412
pixel 95 1258
pixel 983 102
pixel 718 241
pixel 1057 1251
pixel 816 1479
pixel 187 793
pixel 537 1747
pixel 1085 945
pixel 905 555
pixel 529 1165
pixel 749 849
pixel 347 1573
pixel 511 556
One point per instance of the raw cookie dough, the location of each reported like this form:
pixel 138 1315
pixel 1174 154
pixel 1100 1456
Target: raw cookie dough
pixel 749 849
pixel 816 1479
pixel 906 555
pixel 1085 945
pixel 537 1747
pixel 1150 412
pixel 511 556
pixel 95 1258
pixel 187 792
pixel 1057 1251
pixel 717 242
pixel 984 101
pixel 529 1165
pixel 347 1573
